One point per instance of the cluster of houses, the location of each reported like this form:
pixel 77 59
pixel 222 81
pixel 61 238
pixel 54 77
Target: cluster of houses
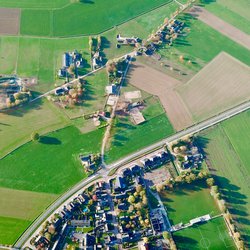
pixel 69 59
pixel 193 159
pixel 126 40
pixel 13 91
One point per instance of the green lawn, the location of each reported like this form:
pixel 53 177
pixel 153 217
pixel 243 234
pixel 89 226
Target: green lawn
pixel 212 235
pixel 81 18
pixel 228 153
pixel 188 202
pixel 17 125
pixel 128 138
pixel 11 229
pixel 52 165
pixel 202 44
pixel 236 14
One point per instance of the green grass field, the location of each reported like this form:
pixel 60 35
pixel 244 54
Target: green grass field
pixel 52 165
pixel 85 20
pixel 212 235
pixel 202 44
pixel 235 13
pixel 189 202
pixel 228 153
pixel 128 138
pixel 11 229
pixel 17 125
pixel 34 4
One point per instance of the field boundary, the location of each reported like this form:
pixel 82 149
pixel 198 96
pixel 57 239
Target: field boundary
pixel 93 34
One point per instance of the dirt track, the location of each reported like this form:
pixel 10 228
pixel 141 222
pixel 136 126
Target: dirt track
pixel 9 21
pixel 161 85
pixel 221 26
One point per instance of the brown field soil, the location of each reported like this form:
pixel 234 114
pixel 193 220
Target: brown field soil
pixel 221 85
pixel 9 21
pixel 163 86
pixel 223 27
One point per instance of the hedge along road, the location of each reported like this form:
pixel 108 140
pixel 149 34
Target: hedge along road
pixel 104 172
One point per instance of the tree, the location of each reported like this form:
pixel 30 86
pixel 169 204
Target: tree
pixel 99 42
pixel 192 177
pixel 159 187
pixel 138 206
pixel 35 136
pixel 138 188
pixel 145 239
pixel 166 235
pixel 188 179
pixel 90 43
pixel 131 208
pixel 144 200
pixel 131 199
pixel 179 179
pixel 210 182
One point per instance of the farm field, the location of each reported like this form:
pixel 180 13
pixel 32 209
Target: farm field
pixel 156 127
pixel 212 235
pixel 196 197
pixel 56 158
pixel 34 3
pixel 59 22
pixel 235 13
pixel 162 85
pixel 228 155
pixel 220 85
pixel 202 44
pixel 37 57
pixel 11 229
pixel 17 125
pixel 94 98
pixel 221 26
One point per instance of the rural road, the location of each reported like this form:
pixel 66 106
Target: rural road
pixel 103 172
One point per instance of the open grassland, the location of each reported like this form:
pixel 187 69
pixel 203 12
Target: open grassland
pixel 212 235
pixel 37 57
pixel 17 125
pixel 188 202
pixel 219 86
pixel 94 96
pixel 51 165
pixel 11 229
pixel 87 18
pixel 228 154
pixel 45 4
pixel 202 44
pixel 233 12
pixel 29 204
pixel 127 138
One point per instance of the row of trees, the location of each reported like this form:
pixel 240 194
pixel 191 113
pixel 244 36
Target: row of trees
pixel 215 192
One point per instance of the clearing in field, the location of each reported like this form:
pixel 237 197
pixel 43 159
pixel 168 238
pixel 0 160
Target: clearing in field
pixel 223 27
pixel 161 85
pixel 212 235
pixel 17 124
pixel 221 85
pixel 228 156
pixel 189 202
pixel 9 21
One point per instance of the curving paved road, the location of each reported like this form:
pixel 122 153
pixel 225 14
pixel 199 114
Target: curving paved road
pixel 103 172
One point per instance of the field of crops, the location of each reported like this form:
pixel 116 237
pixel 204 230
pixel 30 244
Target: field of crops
pixel 228 153
pixel 235 13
